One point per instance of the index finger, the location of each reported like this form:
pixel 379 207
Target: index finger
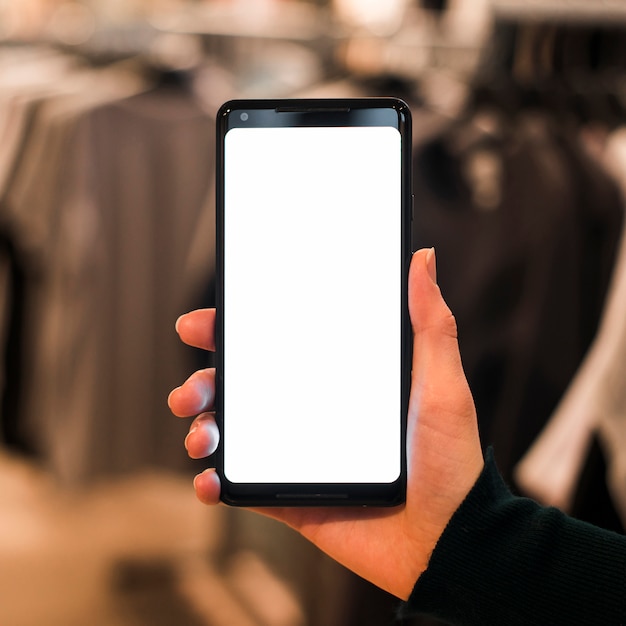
pixel 197 328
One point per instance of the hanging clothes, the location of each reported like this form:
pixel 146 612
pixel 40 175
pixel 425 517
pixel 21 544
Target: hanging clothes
pixel 27 77
pixel 526 228
pixel 595 402
pixel 113 178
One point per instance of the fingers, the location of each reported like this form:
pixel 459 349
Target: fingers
pixel 207 486
pixel 202 441
pixel 198 328
pixel 203 437
pixel 195 395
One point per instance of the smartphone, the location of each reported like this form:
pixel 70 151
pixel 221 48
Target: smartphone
pixel 313 338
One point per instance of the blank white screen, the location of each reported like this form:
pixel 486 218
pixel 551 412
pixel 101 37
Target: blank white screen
pixel 312 305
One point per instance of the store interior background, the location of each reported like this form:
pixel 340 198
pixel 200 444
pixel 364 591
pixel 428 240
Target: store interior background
pixel 106 236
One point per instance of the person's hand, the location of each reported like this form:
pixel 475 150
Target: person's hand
pixel 390 547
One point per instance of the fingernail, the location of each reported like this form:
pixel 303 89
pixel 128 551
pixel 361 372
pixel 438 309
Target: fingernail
pixel 171 393
pixel 431 265
pixel 192 430
pixel 177 322
pixel 198 476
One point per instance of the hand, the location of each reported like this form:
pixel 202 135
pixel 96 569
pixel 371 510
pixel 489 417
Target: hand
pixel 390 547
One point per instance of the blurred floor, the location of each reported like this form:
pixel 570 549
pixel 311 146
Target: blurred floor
pixel 126 552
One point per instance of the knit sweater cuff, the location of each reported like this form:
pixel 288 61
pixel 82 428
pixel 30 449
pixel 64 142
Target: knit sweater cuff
pixel 506 560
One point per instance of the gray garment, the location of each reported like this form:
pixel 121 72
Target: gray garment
pixel 110 191
pixel 25 76
pixel 152 163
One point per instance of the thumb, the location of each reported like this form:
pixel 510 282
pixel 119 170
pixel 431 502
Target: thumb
pixel 444 454
pixel 439 390
pixel 434 326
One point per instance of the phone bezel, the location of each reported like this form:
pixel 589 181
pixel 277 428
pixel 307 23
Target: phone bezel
pixel 314 113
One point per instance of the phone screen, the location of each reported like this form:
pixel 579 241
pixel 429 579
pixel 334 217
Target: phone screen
pixel 311 384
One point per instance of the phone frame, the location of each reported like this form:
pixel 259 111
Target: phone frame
pixel 315 113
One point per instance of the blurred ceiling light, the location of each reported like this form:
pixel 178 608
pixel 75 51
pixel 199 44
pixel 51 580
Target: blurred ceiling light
pixel 176 51
pixel 377 17
pixel 21 20
pixel 9 21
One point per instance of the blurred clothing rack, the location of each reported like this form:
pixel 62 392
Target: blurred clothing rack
pixel 562 11
pixel 107 179
pixel 525 220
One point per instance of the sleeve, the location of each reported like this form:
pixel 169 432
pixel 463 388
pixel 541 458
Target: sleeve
pixel 507 560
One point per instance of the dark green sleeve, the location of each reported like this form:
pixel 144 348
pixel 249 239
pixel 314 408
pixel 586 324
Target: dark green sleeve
pixel 505 560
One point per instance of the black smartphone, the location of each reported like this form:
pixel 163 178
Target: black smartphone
pixel 313 337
